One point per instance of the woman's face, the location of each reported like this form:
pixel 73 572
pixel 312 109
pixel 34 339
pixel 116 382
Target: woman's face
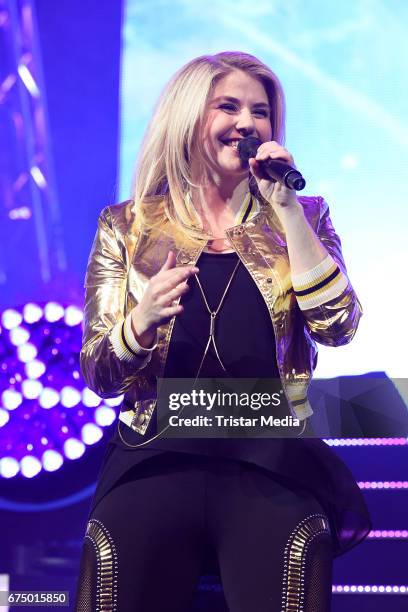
pixel 238 107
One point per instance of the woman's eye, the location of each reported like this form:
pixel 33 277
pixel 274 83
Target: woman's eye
pixel 261 112
pixel 228 107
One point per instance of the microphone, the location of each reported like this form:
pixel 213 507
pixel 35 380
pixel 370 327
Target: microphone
pixel 272 168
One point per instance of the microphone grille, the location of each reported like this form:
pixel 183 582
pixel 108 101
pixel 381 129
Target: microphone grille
pixel 247 147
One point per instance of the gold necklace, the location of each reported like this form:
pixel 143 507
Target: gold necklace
pixel 213 314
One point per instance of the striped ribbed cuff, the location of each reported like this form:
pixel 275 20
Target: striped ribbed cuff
pixel 319 285
pixel 299 403
pixel 126 346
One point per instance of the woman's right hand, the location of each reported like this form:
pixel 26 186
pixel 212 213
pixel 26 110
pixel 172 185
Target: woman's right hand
pixel 156 306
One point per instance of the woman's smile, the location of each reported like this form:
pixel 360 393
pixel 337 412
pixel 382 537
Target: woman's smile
pixel 231 143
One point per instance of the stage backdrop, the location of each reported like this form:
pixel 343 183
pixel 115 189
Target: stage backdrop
pixel 341 66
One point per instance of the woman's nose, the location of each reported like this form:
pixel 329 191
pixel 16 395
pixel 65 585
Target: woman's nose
pixel 245 123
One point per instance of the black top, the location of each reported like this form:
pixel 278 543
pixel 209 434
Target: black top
pixel 246 345
pixel 243 330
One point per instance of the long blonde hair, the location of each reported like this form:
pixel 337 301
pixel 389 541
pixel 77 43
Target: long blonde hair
pixel 163 172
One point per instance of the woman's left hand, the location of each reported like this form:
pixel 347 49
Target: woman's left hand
pixel 282 199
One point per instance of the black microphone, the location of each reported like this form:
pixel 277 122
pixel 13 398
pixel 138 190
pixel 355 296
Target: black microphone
pixel 272 168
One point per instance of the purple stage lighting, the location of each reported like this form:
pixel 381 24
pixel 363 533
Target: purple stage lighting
pixel 48 398
pixel 73 316
pixel 52 460
pixel 31 388
pixel 35 369
pixel 105 415
pixel 4 417
pixel 26 352
pixel 11 399
pixel 30 466
pixel 19 336
pixel 9 467
pixel 89 398
pixel 11 318
pixel 70 397
pixel 73 448
pixel 32 313
pixel 53 312
pixel 47 413
pixel 91 433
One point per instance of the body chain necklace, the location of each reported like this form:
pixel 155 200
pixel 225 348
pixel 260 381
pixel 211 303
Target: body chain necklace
pixel 213 314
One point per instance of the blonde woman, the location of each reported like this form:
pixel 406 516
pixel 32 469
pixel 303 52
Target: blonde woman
pixel 205 239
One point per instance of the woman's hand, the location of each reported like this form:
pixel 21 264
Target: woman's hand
pixel 156 305
pixel 282 199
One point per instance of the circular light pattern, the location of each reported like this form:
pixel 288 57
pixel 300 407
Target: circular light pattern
pixel 26 352
pixel 31 388
pixel 389 589
pixel 30 466
pixel 35 369
pixel 366 441
pixel 19 336
pixel 384 484
pixel 385 534
pixel 70 397
pixel 105 415
pixel 89 398
pixel 53 312
pixel 9 467
pixel 47 413
pixel 11 399
pixel 74 448
pixel 52 460
pixel 4 417
pixel 11 318
pixel 91 433
pixel 48 398
pixel 32 313
pixel 73 316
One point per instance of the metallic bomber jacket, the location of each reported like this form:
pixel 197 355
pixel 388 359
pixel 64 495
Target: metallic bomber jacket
pixel 122 261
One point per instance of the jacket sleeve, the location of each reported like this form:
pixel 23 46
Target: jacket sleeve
pixel 110 357
pixel 324 294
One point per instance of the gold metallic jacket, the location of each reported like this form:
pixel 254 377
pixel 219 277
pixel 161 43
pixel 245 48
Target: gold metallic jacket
pixel 122 261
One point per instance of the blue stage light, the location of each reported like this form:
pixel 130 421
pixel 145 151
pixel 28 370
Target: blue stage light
pixel 11 399
pixel 9 467
pixel 30 466
pixel 52 460
pixel 26 352
pixel 105 415
pixel 47 413
pixel 19 336
pixel 48 398
pixel 73 448
pixel 32 313
pixel 91 433
pixel 4 417
pixel 11 318
pixel 35 369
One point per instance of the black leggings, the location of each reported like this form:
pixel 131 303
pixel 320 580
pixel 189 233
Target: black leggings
pixel 171 517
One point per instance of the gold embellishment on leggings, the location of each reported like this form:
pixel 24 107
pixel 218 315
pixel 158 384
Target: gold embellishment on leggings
pixel 107 566
pixel 293 596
